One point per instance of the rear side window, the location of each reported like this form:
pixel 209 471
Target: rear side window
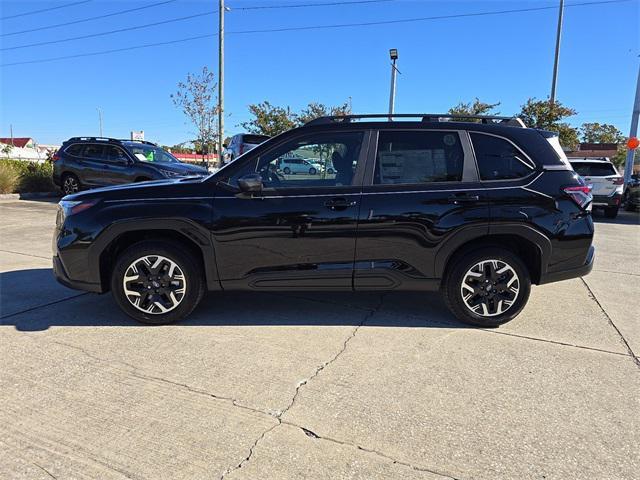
pixel 75 149
pixel 418 157
pixel 499 159
pixel 254 139
pixel 594 169
pixel 93 151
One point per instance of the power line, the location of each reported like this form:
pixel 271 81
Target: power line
pixel 303 5
pixel 311 27
pixel 33 12
pixel 97 17
pixel 111 32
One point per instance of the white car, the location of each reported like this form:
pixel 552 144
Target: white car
pixel 606 183
pixel 294 165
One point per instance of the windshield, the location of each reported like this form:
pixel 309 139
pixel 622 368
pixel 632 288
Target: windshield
pixel 150 153
pixel 594 169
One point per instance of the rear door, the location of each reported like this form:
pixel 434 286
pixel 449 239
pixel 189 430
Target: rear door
pixel 300 232
pixel 94 164
pixel 421 198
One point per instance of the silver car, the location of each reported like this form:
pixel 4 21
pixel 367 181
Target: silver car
pixel 605 182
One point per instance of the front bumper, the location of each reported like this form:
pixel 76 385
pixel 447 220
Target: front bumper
pixel 581 271
pixel 62 277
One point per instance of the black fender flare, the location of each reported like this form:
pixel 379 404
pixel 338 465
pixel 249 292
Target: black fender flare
pixel 192 231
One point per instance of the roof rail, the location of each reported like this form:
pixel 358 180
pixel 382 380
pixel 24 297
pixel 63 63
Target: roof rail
pixel 92 139
pixel 424 117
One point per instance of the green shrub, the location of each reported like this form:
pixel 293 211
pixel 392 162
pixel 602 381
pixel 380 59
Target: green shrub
pixel 9 178
pixel 30 176
pixel 36 177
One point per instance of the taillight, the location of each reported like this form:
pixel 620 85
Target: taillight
pixel 617 180
pixel 55 157
pixel 581 194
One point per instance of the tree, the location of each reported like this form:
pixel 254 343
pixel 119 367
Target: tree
pixel 315 110
pixel 196 97
pixel 272 120
pixel 269 119
pixel 473 108
pixel 601 133
pixel 621 156
pixel 542 114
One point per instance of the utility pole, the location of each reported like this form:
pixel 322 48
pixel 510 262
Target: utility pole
pixel 554 81
pixel 100 118
pixel 393 53
pixel 220 82
pixel 11 128
pixel 628 166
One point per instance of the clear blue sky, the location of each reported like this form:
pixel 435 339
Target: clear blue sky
pixel 503 58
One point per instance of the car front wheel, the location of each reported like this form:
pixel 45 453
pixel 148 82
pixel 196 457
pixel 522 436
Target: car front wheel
pixel 157 282
pixel 487 287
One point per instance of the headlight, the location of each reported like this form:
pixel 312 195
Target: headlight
pixel 170 174
pixel 71 207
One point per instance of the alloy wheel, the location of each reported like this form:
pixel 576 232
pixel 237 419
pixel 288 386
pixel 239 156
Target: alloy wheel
pixel 490 288
pixel 70 185
pixel 154 284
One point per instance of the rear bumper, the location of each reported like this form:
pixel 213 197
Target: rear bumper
pixel 581 271
pixel 61 276
pixel 606 201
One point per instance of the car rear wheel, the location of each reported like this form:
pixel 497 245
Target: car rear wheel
pixel 157 282
pixel 487 287
pixel 70 184
pixel 611 212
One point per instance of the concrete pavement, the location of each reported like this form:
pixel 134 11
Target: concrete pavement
pixel 306 385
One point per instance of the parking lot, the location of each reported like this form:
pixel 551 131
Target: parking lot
pixel 317 385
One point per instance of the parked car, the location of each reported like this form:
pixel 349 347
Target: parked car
pixel 87 162
pixel 242 143
pixel 480 211
pixel 605 181
pixel 631 198
pixel 296 165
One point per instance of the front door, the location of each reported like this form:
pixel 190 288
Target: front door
pixel 300 232
pixel 421 199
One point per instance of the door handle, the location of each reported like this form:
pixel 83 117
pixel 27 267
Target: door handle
pixel 463 198
pixel 339 203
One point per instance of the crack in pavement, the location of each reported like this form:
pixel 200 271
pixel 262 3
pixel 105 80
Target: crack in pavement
pixel 134 371
pixel 25 254
pixel 44 470
pixel 636 360
pixel 31 309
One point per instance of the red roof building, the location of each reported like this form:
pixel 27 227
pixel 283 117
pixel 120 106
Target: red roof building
pixel 20 142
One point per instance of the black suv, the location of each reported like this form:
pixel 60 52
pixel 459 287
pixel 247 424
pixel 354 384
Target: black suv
pixel 99 162
pixel 480 210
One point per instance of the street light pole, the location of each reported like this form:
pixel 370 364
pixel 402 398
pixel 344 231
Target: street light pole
pixel 554 80
pixel 220 81
pixel 393 53
pixel 100 118
pixel 628 166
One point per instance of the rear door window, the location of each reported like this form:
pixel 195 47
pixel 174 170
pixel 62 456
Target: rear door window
pixel 416 157
pixel 93 151
pixel 594 169
pixel 499 159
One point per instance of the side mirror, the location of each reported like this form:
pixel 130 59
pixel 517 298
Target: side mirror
pixel 225 145
pixel 250 183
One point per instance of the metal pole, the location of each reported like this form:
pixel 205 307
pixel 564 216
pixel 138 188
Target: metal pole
pixel 554 81
pixel 628 166
pixel 100 118
pixel 392 93
pixel 221 82
pixel 11 128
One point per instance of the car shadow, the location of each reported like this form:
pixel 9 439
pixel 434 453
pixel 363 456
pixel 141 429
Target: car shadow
pixel 623 218
pixel 31 300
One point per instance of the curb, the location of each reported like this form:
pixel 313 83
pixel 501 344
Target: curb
pixel 28 196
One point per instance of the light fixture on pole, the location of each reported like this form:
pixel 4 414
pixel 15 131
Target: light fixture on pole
pixel 393 53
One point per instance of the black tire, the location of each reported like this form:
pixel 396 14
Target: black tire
pixel 312 171
pixel 611 212
pixel 70 184
pixel 286 170
pixel 491 294
pixel 193 282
